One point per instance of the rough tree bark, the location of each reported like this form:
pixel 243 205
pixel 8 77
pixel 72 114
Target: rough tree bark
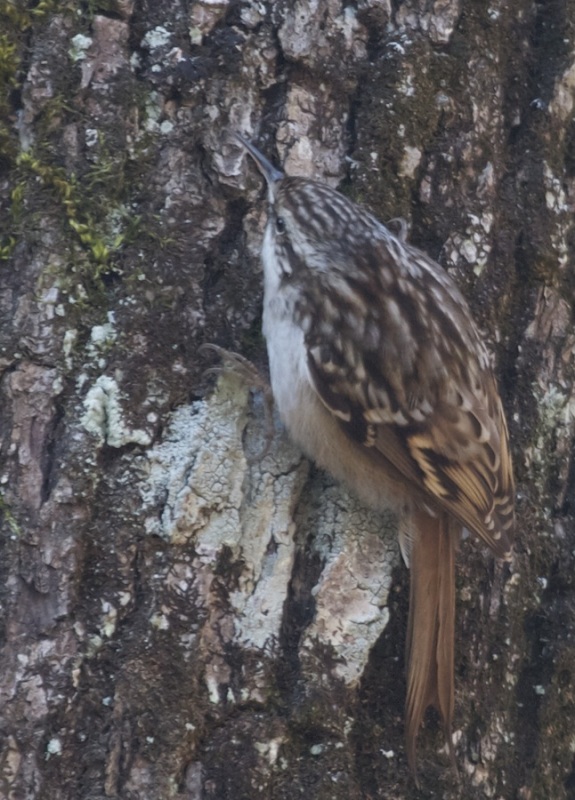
pixel 180 620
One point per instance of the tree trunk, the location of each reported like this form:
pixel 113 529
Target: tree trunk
pixel 182 616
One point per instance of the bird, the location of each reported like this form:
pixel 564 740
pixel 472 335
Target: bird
pixel 381 376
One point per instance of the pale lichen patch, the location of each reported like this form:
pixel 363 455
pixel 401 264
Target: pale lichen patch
pixel 199 471
pixel 360 552
pixel 79 45
pixel 104 416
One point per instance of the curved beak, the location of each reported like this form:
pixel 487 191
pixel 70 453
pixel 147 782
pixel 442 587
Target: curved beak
pixel 270 173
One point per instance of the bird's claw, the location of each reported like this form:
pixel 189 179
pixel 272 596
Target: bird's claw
pixel 250 375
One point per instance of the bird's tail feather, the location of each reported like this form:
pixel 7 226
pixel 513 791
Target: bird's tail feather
pixel 430 633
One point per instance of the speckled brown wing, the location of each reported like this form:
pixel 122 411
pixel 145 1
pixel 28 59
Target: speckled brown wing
pixel 425 398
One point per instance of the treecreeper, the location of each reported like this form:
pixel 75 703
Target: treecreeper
pixel 380 375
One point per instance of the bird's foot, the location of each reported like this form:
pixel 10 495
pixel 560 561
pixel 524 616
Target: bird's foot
pixel 249 374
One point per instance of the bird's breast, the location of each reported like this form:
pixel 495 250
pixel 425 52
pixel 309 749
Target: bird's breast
pixel 307 420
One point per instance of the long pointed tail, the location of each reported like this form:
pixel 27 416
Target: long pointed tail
pixel 430 633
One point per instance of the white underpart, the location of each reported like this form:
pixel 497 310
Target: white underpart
pixel 310 424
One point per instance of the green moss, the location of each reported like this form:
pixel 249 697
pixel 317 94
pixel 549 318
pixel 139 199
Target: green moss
pixel 7 514
pixel 65 188
pixel 96 222
pixel 9 69
pixel 16 18
pixel 98 6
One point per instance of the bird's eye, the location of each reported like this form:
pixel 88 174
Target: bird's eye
pixel 280 224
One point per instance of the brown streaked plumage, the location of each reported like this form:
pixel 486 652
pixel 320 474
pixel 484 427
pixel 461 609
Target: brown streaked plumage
pixel 380 375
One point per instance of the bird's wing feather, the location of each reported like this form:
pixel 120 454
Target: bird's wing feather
pixel 428 402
